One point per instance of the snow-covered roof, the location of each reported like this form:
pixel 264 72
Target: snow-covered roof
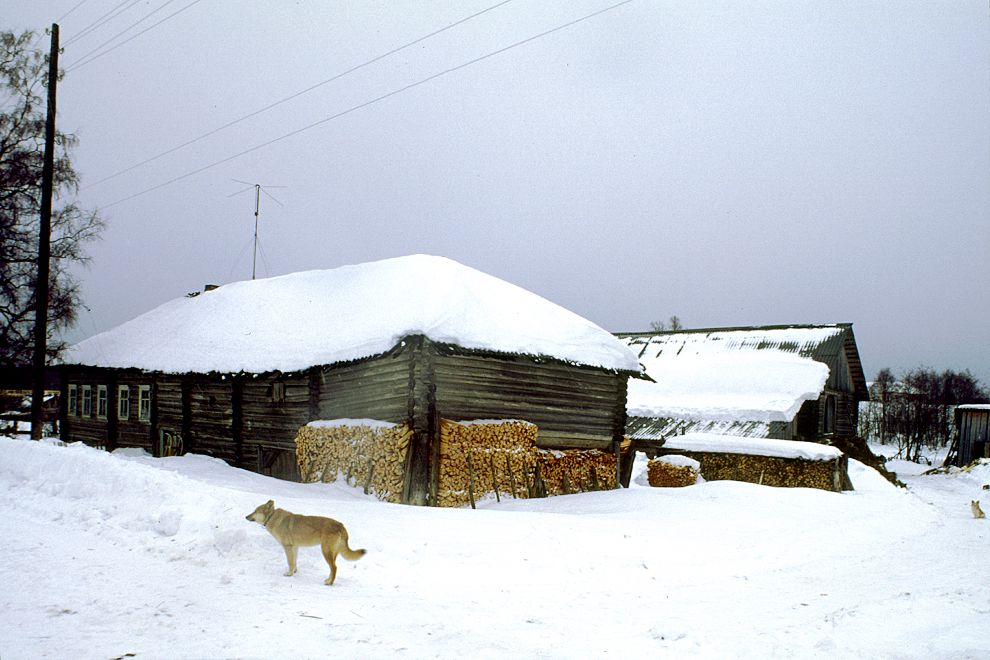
pixel 757 375
pixel 322 317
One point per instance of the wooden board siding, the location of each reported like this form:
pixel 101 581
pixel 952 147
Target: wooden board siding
pixel 372 389
pixel 573 407
pixel 89 429
pixel 133 431
pixel 973 427
pixel 211 418
pixel 274 423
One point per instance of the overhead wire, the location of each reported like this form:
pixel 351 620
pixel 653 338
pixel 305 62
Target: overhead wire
pixel 296 95
pixel 125 30
pixel 373 101
pixel 79 64
pixel 99 22
pixel 60 19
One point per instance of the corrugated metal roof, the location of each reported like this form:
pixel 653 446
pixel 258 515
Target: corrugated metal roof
pixel 824 343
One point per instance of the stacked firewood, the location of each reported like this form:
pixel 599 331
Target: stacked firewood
pixel 576 470
pixel 500 458
pixel 477 459
pixel 667 473
pixel 369 457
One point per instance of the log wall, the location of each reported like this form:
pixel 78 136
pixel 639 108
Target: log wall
pixel 574 407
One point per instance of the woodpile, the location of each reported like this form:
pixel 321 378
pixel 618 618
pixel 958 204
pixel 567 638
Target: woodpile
pixel 772 470
pixel 576 470
pixel 500 458
pixel 664 473
pixel 370 457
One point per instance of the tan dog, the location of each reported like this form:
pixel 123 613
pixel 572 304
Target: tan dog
pixel 293 530
pixel 977 511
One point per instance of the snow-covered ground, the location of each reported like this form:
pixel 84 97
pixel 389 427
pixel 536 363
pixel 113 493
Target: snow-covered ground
pixel 106 555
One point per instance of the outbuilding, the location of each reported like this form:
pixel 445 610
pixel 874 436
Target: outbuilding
pixel 972 433
pixel 236 371
pixel 788 382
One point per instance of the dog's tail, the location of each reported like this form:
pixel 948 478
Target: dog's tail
pixel 352 555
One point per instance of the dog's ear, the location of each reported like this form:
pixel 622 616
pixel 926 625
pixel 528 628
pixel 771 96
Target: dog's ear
pixel 270 504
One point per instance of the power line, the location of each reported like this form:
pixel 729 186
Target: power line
pixel 372 102
pixel 127 29
pixel 77 6
pixel 61 18
pixel 99 22
pixel 293 96
pixel 79 64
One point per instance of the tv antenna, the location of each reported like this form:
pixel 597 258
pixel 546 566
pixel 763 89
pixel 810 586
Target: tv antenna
pixel 258 189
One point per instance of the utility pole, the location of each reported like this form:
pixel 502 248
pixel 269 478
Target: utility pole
pixel 44 249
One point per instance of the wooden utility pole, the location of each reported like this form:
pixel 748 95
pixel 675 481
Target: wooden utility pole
pixel 44 250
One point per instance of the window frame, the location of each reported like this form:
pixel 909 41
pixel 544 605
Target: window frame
pixel 102 401
pixel 144 397
pixel 123 402
pixel 87 401
pixel 72 405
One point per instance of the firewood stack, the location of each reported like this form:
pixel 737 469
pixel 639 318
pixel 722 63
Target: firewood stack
pixel 666 474
pixel 477 459
pixel 369 457
pixel 576 470
pixel 500 458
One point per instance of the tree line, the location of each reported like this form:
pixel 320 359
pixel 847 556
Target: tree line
pixel 916 411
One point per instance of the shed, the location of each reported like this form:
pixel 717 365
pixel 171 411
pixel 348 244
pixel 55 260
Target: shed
pixel 788 382
pixel 235 371
pixel 972 433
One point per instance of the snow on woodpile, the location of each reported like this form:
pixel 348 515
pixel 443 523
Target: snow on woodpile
pixel 320 317
pixel 785 463
pixel 725 444
pixel 728 376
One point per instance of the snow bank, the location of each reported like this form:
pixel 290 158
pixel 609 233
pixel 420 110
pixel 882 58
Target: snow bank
pixel 320 317
pixel 124 554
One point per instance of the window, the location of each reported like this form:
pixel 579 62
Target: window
pixel 73 400
pixel 101 401
pixel 278 392
pixel 144 402
pixel 123 402
pixel 87 400
pixel 830 413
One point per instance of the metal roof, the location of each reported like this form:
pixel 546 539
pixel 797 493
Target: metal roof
pixel 822 342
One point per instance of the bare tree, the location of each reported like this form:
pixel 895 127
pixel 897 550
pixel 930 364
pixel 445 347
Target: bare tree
pixel 673 324
pixel 916 411
pixel 23 78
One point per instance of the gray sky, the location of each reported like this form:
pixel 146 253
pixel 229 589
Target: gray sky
pixel 732 163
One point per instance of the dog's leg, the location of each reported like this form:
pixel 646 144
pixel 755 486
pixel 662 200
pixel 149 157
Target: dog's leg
pixel 290 556
pixel 331 558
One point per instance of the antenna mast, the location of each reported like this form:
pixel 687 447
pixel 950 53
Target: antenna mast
pixel 257 209
pixel 258 189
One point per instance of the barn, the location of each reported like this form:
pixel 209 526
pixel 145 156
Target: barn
pixel 972 441
pixel 788 382
pixel 236 371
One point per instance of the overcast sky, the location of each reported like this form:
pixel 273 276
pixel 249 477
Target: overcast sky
pixel 733 163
